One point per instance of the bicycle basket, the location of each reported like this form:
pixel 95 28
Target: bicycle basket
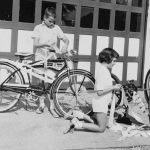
pixel 57 64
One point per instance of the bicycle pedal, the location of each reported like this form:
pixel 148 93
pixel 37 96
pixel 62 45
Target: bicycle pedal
pixel 71 129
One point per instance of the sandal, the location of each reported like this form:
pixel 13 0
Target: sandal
pixel 40 110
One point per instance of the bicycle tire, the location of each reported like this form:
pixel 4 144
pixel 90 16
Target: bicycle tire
pixel 65 100
pixel 147 86
pixel 62 106
pixel 9 99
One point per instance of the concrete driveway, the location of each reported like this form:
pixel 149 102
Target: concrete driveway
pixel 26 130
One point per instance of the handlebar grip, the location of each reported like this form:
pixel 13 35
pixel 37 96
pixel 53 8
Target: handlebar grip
pixel 51 50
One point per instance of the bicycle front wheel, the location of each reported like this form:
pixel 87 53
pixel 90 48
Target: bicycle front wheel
pixel 73 90
pixel 147 87
pixel 8 97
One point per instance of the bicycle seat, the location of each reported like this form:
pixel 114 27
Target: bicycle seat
pixel 23 56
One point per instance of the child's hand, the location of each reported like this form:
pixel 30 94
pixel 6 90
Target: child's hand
pixel 117 87
pixel 120 111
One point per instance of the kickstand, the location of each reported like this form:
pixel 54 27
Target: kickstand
pixel 70 130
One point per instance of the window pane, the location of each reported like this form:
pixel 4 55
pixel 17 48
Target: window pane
pixel 86 17
pixel 118 45
pixel 46 4
pixel 6 10
pixel 118 70
pixel 122 2
pixel 132 69
pixel 106 1
pixel 68 15
pixel 137 3
pixel 84 65
pixel 5 38
pixel 25 41
pixel 85 44
pixel 133 47
pixel 120 19
pixel 135 22
pixel 27 11
pixel 102 42
pixel 71 41
pixel 104 19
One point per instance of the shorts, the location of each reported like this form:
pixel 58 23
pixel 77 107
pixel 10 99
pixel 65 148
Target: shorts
pixel 101 104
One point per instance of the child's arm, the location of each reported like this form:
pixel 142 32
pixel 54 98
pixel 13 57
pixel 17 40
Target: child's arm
pixel 106 91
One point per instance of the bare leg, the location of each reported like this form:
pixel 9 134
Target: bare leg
pixel 52 107
pixel 88 118
pixel 101 123
pixel 99 127
pixel 81 115
pixel 41 105
pixel 41 100
pixel 52 104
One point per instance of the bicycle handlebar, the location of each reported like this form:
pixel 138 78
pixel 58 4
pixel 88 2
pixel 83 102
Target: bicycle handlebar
pixel 66 55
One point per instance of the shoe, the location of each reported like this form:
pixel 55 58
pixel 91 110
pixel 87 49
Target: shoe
pixel 78 114
pixel 53 113
pixel 70 130
pixel 74 120
pixel 40 110
pixel 77 124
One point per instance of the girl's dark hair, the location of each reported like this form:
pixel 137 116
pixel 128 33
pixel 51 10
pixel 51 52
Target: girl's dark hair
pixel 107 55
pixel 50 11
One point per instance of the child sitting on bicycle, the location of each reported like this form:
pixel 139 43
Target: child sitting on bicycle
pixel 104 87
pixel 45 42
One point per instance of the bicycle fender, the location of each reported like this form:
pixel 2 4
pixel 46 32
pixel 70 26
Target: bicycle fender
pixel 12 63
pixel 5 60
pixel 85 71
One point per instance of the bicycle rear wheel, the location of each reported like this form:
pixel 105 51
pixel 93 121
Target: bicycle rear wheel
pixel 147 87
pixel 8 97
pixel 73 90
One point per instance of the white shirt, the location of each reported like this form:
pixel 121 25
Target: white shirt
pixel 103 77
pixel 103 81
pixel 47 35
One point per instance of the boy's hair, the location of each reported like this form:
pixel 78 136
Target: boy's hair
pixel 50 11
pixel 107 55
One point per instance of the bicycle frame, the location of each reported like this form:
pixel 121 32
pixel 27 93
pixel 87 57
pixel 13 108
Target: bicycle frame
pixel 29 69
pixel 66 82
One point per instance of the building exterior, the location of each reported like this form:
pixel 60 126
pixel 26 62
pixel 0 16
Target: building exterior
pixel 90 25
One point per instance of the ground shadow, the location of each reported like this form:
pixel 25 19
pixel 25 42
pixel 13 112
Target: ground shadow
pixel 28 105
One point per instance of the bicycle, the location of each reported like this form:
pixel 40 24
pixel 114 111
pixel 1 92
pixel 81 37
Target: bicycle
pixel 147 88
pixel 66 87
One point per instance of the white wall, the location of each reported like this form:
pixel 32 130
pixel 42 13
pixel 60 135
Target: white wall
pixel 147 48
